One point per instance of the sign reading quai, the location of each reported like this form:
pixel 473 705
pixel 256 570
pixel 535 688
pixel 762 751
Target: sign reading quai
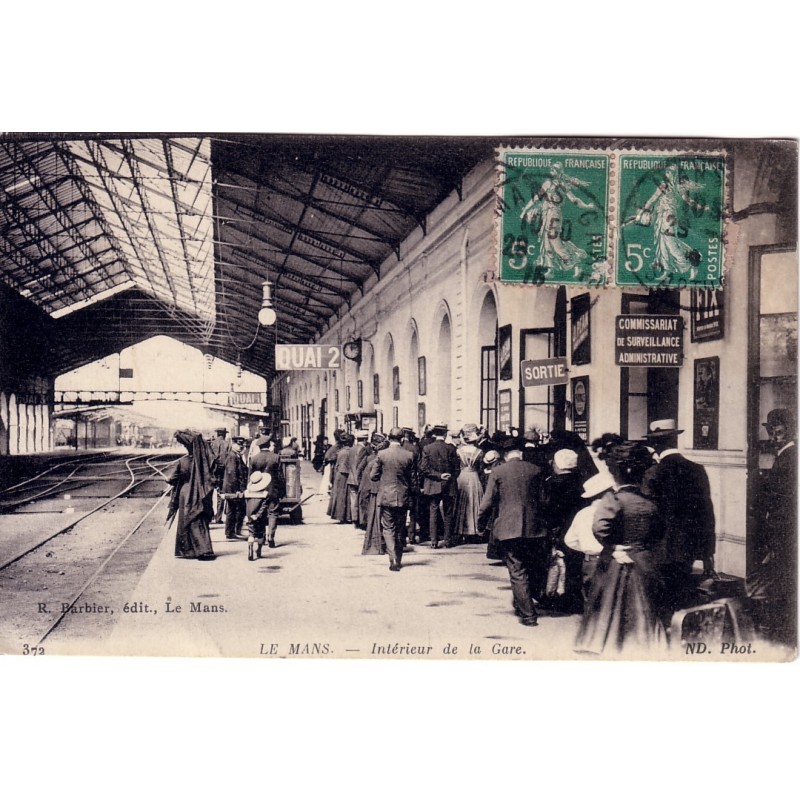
pixel 644 340
pixel 307 356
pixel 543 372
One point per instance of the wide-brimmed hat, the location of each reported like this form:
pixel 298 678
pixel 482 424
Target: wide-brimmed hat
pixel 439 430
pixel 377 438
pixel 259 481
pixel 220 430
pixel 597 484
pixel 238 439
pixel 490 458
pixel 661 428
pixel 263 441
pixel 469 432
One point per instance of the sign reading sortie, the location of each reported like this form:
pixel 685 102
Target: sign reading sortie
pixel 307 356
pixel 543 372
pixel 649 340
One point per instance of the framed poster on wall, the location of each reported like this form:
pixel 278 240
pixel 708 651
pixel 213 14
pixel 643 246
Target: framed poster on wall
pixel 376 389
pixel 580 407
pixel 708 315
pixel 504 409
pixel 395 416
pixel 505 367
pixel 706 403
pixel 395 383
pixel 360 393
pixel 580 329
pixel 420 417
pixel 423 378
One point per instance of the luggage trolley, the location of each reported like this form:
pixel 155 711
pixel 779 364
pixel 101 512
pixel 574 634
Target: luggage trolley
pixel 292 501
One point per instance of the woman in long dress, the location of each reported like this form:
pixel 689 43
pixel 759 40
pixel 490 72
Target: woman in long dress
pixel 192 488
pixel 339 506
pixel 621 609
pixel 470 490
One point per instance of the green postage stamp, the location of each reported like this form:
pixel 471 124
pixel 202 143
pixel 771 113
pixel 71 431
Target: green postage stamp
pixel 670 220
pixel 553 208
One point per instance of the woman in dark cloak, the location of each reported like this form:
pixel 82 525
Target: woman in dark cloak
pixel 192 487
pixel 621 609
pixel 320 448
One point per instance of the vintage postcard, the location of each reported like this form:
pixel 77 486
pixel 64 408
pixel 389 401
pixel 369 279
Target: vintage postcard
pixel 372 397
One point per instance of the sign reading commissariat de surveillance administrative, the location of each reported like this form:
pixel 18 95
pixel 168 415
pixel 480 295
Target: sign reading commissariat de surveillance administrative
pixel 649 340
pixel 307 356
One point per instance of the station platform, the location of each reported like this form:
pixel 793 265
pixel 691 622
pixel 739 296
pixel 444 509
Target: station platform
pixel 313 595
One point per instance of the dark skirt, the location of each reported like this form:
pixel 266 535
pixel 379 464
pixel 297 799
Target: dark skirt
pixel 338 508
pixel 193 540
pixel 620 612
pixel 374 543
pixel 470 494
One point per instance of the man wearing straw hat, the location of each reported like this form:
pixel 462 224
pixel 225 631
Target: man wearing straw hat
pixel 681 491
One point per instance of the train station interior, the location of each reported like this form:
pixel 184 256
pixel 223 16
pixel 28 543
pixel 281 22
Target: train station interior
pixel 146 282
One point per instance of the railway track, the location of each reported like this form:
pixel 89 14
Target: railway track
pixel 82 546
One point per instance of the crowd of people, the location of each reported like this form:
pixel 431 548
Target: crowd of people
pixel 240 480
pixel 612 532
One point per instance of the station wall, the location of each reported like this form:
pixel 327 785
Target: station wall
pixel 439 303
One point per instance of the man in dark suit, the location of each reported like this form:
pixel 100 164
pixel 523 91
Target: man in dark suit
pixel 269 463
pixel 394 468
pixel 680 489
pixel 220 447
pixel 438 469
pixel 513 497
pixel 234 483
pixel 772 583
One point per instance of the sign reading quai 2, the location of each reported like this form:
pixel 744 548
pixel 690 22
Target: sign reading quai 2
pixel 307 356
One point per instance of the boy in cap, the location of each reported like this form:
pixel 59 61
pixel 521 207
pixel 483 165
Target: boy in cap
pixel 260 507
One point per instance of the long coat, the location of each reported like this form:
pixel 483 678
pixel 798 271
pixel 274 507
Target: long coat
pixel 513 495
pixel 682 494
pixel 394 468
pixel 235 479
pixel 439 458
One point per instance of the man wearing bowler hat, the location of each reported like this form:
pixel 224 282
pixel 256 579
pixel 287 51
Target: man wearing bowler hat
pixel 438 469
pixel 394 468
pixel 680 489
pixel 773 581
pixel 513 497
